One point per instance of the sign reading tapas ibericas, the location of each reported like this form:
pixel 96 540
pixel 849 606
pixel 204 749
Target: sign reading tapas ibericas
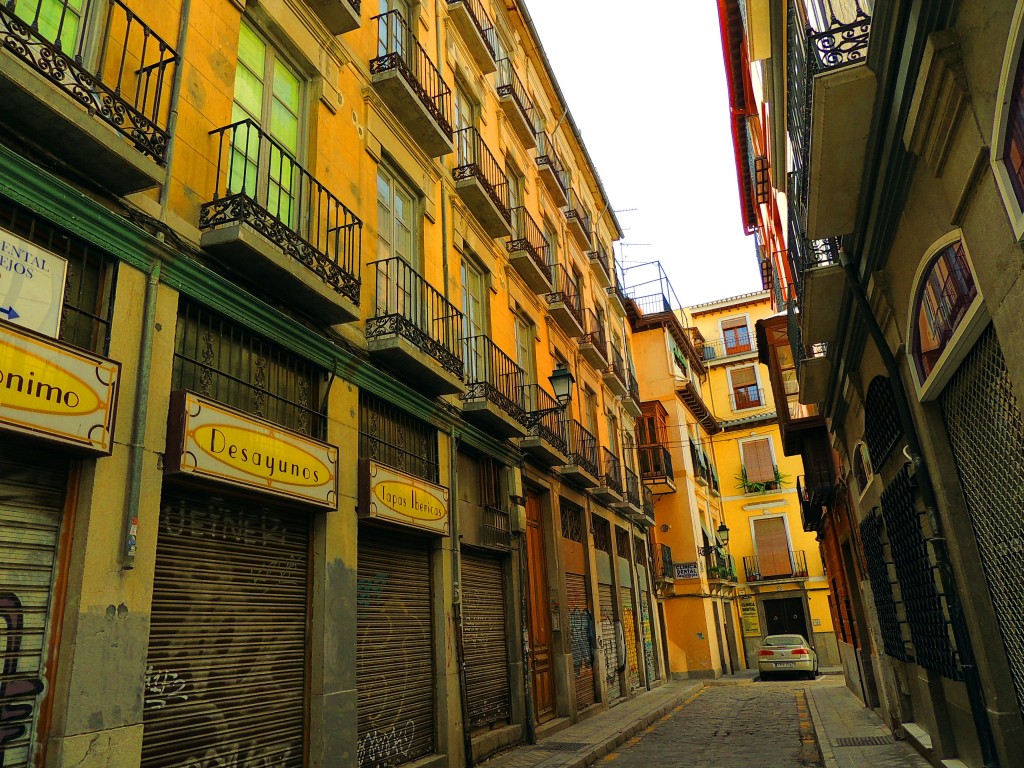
pixel 56 391
pixel 209 440
pixel 403 499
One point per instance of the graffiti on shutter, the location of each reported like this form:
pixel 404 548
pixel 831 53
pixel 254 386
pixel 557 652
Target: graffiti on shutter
pixel 581 632
pixel 648 637
pixel 394 652
pixel 32 490
pixel 609 645
pixel 484 639
pixel 225 674
pixel 629 630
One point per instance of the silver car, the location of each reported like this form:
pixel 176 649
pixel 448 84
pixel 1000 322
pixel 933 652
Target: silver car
pixel 786 653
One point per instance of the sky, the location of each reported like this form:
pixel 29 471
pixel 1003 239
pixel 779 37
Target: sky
pixel 647 90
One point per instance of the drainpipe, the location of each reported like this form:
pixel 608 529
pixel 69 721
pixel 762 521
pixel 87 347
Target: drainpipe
pixel 460 646
pixel 975 692
pixel 172 118
pixel 136 448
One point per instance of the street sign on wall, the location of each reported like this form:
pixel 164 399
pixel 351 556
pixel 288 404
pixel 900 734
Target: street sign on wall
pixel 687 570
pixel 31 285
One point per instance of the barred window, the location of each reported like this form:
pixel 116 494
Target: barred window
pixel 216 358
pixel 391 436
pixel 621 543
pixel 946 294
pixel 572 521
pixel 602 535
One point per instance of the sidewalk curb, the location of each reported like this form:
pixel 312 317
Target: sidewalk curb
pixel 824 746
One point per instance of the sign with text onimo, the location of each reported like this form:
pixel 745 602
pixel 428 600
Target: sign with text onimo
pixel 388 494
pixel 206 439
pixel 56 391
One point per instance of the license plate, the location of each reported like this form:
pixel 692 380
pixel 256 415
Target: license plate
pixel 785 664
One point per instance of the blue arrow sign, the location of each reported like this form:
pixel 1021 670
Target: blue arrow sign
pixel 11 314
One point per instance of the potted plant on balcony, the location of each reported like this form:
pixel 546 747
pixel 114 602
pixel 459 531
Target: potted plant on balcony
pixel 748 486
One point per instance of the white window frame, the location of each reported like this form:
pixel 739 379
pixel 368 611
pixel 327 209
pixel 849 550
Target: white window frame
pixel 752 520
pixel 771 447
pixel 757 381
pixel 750 336
pixel 416 223
pixel 1011 58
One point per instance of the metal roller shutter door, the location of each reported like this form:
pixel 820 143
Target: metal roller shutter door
pixel 32 496
pixel 629 630
pixel 648 636
pixel 580 618
pixel 394 652
pixel 484 639
pixel 609 642
pixel 226 671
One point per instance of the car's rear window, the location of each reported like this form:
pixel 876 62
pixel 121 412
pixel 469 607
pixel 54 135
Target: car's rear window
pixel 783 640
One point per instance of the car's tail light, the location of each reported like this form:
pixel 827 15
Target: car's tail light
pixel 766 653
pixel 799 651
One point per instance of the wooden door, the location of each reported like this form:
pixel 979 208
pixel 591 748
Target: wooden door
pixel 540 615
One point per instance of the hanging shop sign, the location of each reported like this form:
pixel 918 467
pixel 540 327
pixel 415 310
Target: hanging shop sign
pixel 687 570
pixel 388 494
pixel 206 439
pixel 53 390
pixel 748 617
pixel 31 285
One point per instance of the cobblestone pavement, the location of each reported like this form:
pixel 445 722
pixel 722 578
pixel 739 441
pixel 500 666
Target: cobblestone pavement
pixel 765 725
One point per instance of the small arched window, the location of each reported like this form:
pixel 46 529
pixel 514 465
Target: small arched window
pixel 945 293
pixel 861 466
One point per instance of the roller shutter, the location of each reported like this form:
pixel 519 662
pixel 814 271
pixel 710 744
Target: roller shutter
pixel 226 671
pixel 647 634
pixel 394 651
pixel 581 630
pixel 629 630
pixel 611 637
pixel 484 639
pixel 33 483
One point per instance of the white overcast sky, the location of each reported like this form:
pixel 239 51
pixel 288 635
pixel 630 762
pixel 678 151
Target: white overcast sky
pixel 647 90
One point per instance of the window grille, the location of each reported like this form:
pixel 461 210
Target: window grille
pixel 881 423
pixel 572 521
pixel 762 182
pixel 602 535
pixel 216 358
pixel 391 436
pixel 986 432
pixel 640 551
pixel 621 543
pixel 872 532
pixel 89 286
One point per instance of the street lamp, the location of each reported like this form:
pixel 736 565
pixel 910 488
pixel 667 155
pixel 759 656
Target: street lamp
pixel 561 380
pixel 722 540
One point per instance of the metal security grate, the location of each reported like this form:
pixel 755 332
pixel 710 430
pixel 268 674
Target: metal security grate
pixel 881 423
pixel 563 746
pixel 986 432
pixel 871 532
pixel 925 606
pixel 572 521
pixel 863 741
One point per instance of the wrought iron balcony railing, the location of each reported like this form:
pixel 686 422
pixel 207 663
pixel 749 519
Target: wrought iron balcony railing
pixel 843 41
pixel 565 292
pixel 527 236
pixel 407 305
pixel 787 565
pixel 742 398
pixel 655 462
pixel 547 157
pixel 496 528
pixel 398 49
pixel 509 84
pixel 552 425
pixel 720 566
pixel 647 502
pixel 595 332
pixel 713 349
pixel 474 160
pixel 632 487
pixel 582 448
pixel 611 470
pixel 634 388
pixel 129 85
pixel 616 365
pixel 259 183
pixel 577 211
pixel 494 376
pixel 481 21
pixel 663 565
pixel 601 259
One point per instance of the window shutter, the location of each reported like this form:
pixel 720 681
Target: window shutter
pixel 743 377
pixel 734 322
pixel 772 546
pixel 757 460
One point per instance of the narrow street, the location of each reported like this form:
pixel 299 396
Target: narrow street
pixel 764 725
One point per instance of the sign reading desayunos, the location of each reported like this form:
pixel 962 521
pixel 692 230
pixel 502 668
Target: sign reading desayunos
pixel 404 499
pixel 56 391
pixel 209 440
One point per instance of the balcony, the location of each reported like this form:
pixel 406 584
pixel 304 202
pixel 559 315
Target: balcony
pixel 547 441
pixel 816 489
pixel 745 398
pixel 656 468
pixel 664 568
pixel 632 403
pixel 481 183
pixel 822 282
pixel 564 302
pixel 615 377
pixel 833 90
pixel 778 567
pixel 516 104
pixel 593 344
pixel 581 468
pixel 721 350
pixel 646 506
pixel 476 30
pixel 577 219
pixel 552 172
pixel 632 500
pixel 415 330
pixel 691 398
pixel 56 101
pixel 410 84
pixel 616 299
pixel 609 488
pixel 494 389
pixel 496 529
pixel 814 371
pixel 339 16
pixel 721 567
pixel 601 266
pixel 704 473
pixel 273 222
pixel 527 252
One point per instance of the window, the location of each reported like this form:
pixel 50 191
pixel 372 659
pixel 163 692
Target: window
pixel 391 436
pixel 613 433
pixel 946 293
pixel 474 310
pixel 861 466
pixel 396 207
pixel 516 185
pixel 524 348
pixel 745 392
pixel 53 19
pixel 759 472
pixel 264 154
pixel 551 239
pixel 771 544
pixel 735 335
pixel 399 28
pixel 1013 145
pixel 590 411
